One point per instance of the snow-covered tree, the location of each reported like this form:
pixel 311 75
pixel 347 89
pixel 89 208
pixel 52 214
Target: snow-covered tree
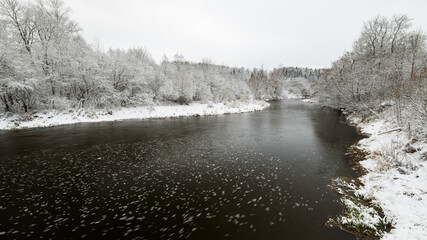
pixel 45 63
pixel 386 66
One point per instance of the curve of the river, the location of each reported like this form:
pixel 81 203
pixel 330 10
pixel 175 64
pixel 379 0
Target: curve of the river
pixel 260 175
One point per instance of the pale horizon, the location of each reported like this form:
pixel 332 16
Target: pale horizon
pixel 240 33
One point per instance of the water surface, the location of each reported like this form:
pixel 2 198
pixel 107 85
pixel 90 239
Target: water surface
pixel 241 176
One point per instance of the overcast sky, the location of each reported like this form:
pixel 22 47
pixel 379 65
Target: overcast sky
pixel 237 33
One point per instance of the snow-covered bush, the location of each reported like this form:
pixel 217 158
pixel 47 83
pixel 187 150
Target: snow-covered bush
pixel 17 95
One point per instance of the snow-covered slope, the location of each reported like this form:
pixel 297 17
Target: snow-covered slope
pixel 396 178
pixel 54 118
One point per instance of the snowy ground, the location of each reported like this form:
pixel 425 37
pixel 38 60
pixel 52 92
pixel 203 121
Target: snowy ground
pixel 397 177
pixel 55 118
pixel 310 100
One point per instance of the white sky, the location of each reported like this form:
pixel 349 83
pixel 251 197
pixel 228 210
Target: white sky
pixel 239 33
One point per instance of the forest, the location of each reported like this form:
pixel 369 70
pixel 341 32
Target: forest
pixel 46 64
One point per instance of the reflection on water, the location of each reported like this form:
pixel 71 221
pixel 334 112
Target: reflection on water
pixel 245 176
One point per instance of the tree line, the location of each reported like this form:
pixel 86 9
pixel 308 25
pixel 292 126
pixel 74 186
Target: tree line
pixel 387 67
pixel 46 64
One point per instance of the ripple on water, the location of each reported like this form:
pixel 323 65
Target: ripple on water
pixel 157 189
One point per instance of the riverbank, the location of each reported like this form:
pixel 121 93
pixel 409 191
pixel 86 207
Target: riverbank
pixel 49 118
pixel 396 175
pixel 394 179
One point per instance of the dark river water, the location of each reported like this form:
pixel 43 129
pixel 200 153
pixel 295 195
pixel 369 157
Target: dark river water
pixel 259 175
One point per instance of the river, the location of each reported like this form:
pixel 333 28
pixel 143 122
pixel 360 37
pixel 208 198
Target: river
pixel 260 175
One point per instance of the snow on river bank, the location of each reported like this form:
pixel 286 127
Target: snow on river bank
pixel 396 177
pixel 55 118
